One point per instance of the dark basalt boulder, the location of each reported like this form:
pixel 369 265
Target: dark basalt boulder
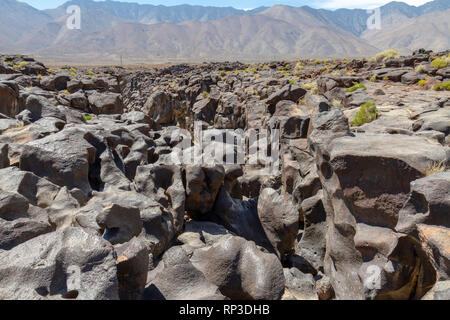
pixel 83 265
pixel 230 264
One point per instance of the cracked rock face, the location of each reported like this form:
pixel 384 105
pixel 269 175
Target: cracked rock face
pixel 100 196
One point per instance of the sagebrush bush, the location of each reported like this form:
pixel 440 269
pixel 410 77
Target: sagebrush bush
pixel 421 68
pixel 312 86
pixel 336 102
pixel 386 55
pixel 367 113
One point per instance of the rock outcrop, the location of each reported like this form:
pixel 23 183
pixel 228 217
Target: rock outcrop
pixel 313 180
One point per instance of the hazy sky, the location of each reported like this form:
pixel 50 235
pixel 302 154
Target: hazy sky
pixel 246 4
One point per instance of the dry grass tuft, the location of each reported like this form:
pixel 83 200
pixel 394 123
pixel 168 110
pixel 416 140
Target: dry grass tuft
pixel 435 168
pixel 386 55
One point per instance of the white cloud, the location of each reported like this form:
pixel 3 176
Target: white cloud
pixel 365 4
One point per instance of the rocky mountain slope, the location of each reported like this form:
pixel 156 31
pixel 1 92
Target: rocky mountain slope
pixel 100 196
pixel 150 14
pixel 16 20
pixel 145 33
pixel 409 34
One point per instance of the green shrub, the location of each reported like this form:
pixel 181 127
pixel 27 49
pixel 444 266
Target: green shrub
pixel 299 66
pixel 373 78
pixel 87 117
pixel 20 65
pixel 90 73
pixel 444 86
pixel 439 63
pixel 292 82
pixel 356 86
pixel 206 95
pixel 366 113
pixel 422 82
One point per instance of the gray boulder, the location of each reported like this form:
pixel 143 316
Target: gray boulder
pixel 9 98
pixel 106 103
pixel 175 278
pixel 56 82
pixel 15 232
pixel 202 187
pixel 164 184
pixel 4 159
pixel 312 246
pixel 120 224
pixel 365 186
pixel 428 203
pixel 279 219
pixel 132 268
pixel 66 264
pixel 240 217
pixel 231 263
pixel 160 106
pixel 62 158
pixel 288 92
pixel 40 107
pixel 300 285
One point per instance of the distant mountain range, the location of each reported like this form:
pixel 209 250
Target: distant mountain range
pixel 147 33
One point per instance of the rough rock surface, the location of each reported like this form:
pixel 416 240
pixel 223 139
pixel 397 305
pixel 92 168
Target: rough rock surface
pixel 118 183
pixel 230 264
pixel 67 264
